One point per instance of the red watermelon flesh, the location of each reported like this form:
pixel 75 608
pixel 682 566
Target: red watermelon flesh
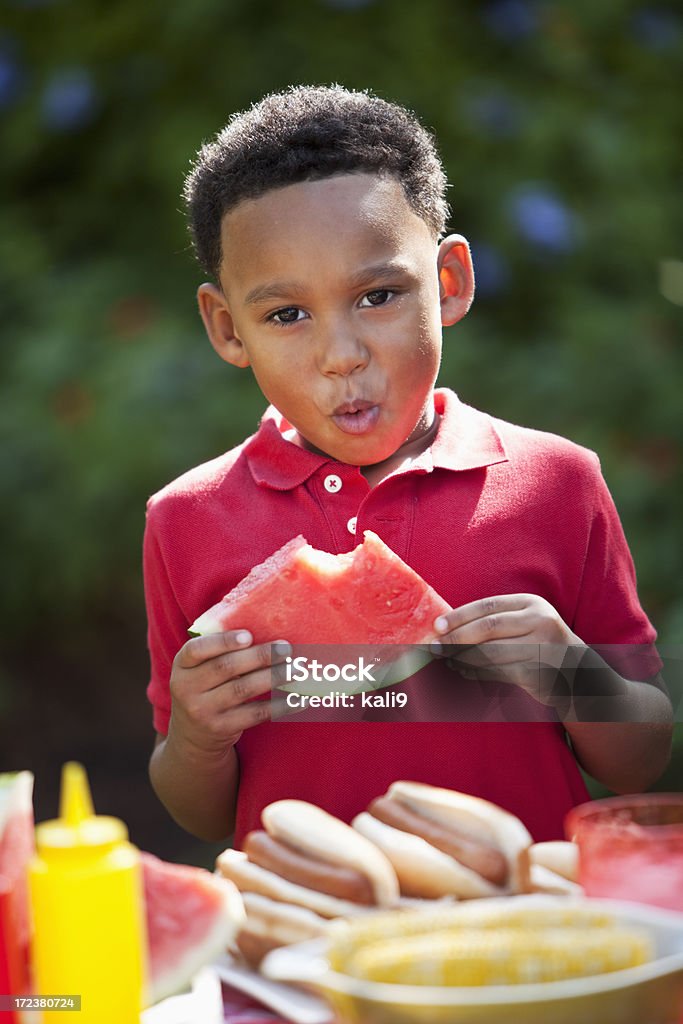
pixel 192 917
pixel 365 596
pixel 16 849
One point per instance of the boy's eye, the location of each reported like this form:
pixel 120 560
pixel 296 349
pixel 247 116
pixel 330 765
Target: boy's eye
pixel 377 297
pixel 286 315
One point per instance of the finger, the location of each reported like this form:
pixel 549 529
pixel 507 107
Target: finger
pixel 248 715
pixel 502 625
pixel 513 674
pixel 480 609
pixel 538 682
pixel 485 674
pixel 498 653
pixel 201 648
pixel 234 693
pixel 230 666
pixel 213 711
pixel 224 710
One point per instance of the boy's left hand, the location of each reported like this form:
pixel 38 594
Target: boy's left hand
pixel 498 640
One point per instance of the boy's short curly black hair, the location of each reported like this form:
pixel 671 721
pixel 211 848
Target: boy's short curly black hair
pixel 307 133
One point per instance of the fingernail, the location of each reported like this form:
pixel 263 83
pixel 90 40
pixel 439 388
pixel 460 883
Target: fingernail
pixel 243 637
pixel 436 647
pixel 282 648
pixel 441 624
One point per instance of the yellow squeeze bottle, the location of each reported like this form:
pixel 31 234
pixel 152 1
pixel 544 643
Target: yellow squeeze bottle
pixel 88 912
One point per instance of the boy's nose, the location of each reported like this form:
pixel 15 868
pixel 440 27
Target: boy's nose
pixel 341 351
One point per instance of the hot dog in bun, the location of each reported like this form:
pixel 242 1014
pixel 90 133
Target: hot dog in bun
pixel 270 924
pixel 308 861
pixel 445 843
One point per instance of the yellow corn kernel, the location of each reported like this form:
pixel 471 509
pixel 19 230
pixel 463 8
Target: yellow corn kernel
pixel 347 936
pixel 507 956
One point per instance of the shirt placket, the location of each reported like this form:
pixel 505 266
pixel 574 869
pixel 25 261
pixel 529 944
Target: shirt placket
pixel 351 507
pixel 340 491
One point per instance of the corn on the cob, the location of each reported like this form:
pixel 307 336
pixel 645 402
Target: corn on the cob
pixel 525 912
pixel 489 942
pixel 506 956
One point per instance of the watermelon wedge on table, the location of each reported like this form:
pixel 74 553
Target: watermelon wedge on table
pixel 192 917
pixel 365 596
pixel 16 850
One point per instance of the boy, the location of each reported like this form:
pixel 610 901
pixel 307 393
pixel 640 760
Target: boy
pixel 318 215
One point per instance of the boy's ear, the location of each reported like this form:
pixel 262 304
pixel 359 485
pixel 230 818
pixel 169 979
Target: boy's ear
pixel 456 279
pixel 219 325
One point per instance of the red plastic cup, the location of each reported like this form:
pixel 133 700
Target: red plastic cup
pixel 631 848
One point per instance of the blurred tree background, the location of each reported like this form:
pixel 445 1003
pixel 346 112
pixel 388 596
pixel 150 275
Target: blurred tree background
pixel 560 125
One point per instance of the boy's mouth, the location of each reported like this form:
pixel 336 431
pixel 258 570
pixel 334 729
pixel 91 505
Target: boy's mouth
pixel 356 417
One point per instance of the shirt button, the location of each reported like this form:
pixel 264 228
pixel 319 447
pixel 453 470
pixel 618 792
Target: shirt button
pixel 332 483
pixel 351 525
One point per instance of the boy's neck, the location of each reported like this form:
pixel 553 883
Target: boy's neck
pixel 405 455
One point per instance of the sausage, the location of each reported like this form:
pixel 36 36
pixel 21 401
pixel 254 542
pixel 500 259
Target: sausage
pixel 476 854
pixel 253 947
pixel 283 860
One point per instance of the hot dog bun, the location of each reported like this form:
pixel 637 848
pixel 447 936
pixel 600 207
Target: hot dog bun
pixel 423 871
pixel 428 862
pixel 306 862
pixel 559 856
pixel 545 880
pixel 311 830
pixel 270 924
pixel 555 868
pixel 252 878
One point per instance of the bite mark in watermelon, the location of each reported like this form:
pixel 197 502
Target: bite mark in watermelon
pixel 192 917
pixel 306 596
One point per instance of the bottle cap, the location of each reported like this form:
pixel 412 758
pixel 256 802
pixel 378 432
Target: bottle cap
pixel 78 827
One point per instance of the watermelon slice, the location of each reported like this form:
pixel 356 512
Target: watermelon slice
pixel 365 596
pixel 16 850
pixel 192 916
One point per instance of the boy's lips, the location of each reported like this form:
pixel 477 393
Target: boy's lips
pixel 357 417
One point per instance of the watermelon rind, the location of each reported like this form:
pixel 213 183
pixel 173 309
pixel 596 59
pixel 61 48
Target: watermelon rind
pixel 16 796
pixel 226 917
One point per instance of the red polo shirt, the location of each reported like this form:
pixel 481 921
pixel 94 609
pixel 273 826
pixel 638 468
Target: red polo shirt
pixel 491 508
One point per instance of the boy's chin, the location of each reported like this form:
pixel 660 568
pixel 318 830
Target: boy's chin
pixel 359 455
pixel 353 453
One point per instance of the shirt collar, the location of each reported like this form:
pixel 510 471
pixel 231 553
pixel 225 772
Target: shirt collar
pixel 276 462
pixel 466 439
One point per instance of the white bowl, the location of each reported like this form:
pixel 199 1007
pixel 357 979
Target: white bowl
pixel 649 994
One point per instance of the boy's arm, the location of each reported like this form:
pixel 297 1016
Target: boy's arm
pixel 620 729
pixel 627 757
pixel 199 792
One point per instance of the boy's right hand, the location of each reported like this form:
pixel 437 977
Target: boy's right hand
pixel 214 681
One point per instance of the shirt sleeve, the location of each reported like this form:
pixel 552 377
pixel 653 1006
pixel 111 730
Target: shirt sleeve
pixel 609 616
pixel 166 623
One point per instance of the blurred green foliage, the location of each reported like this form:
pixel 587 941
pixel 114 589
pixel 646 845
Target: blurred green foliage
pixel 560 126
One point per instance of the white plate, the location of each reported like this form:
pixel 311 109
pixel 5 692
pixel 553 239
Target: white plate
pixel 285 1000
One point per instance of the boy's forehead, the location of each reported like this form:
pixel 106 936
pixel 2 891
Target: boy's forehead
pixel 359 210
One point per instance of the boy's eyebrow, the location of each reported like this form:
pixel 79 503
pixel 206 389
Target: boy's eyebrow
pixel 380 272
pixel 274 290
pixel 368 275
